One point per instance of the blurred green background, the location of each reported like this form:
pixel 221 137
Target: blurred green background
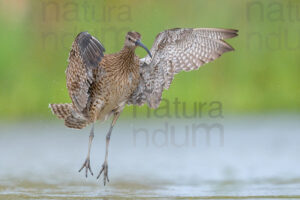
pixel 261 76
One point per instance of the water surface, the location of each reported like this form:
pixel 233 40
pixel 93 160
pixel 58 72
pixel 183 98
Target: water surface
pixel 258 158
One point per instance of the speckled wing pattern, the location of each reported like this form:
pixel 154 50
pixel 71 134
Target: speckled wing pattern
pixel 176 50
pixel 84 59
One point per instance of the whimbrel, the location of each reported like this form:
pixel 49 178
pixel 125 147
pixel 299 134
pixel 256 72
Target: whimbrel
pixel 101 85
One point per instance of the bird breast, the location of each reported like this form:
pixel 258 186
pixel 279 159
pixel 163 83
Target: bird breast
pixel 124 86
pixel 120 80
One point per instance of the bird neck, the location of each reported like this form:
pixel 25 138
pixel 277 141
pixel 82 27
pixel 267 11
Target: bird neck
pixel 127 54
pixel 126 58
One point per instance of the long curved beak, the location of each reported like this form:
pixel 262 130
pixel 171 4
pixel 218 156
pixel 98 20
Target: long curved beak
pixel 139 43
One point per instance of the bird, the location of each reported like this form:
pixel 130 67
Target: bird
pixel 101 85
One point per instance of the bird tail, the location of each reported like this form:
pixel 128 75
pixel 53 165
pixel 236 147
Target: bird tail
pixel 72 118
pixel 62 111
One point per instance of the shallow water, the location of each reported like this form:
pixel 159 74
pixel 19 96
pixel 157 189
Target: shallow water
pixel 257 158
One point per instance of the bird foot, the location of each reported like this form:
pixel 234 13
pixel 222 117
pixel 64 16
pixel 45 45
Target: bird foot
pixel 87 167
pixel 104 169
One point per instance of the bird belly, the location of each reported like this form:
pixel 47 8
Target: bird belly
pixel 117 97
pixel 114 89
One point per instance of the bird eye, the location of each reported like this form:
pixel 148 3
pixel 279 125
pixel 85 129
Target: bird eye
pixel 129 39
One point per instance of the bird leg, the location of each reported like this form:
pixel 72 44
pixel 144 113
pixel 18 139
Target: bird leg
pixel 86 164
pixel 104 168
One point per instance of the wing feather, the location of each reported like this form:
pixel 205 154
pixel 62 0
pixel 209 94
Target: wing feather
pixel 84 59
pixel 177 50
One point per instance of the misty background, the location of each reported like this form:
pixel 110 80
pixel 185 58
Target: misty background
pixel 261 76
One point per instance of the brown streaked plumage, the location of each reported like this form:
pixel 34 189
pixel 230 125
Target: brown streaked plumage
pixel 101 85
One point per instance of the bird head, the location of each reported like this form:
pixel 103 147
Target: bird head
pixel 133 39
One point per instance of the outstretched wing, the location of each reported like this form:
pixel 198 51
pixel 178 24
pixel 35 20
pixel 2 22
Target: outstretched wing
pixel 84 59
pixel 175 50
